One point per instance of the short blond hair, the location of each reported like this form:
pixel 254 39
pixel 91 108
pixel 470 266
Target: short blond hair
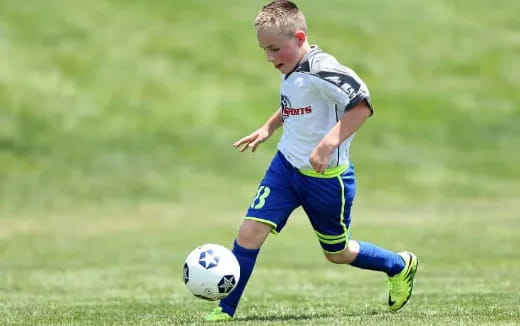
pixel 281 15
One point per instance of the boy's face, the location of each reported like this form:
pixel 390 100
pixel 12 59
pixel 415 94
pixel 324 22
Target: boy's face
pixel 283 51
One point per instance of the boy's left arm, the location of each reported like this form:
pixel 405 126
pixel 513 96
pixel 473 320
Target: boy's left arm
pixel 346 126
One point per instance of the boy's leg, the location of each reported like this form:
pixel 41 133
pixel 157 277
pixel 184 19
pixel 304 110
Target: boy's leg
pixel 328 207
pixel 251 236
pixel 268 212
pixel 370 256
pixel 246 247
pixel 400 268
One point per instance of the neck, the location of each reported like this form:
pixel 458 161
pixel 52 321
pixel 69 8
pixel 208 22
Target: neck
pixel 305 49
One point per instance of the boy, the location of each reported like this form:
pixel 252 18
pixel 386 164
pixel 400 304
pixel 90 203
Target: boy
pixel 322 105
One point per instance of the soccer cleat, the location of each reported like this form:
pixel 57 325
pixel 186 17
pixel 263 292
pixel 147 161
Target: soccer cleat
pixel 401 285
pixel 218 315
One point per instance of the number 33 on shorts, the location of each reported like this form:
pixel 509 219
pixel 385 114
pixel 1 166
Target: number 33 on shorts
pixel 259 200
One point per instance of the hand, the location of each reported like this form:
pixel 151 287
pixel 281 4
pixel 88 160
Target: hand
pixel 320 157
pixel 253 140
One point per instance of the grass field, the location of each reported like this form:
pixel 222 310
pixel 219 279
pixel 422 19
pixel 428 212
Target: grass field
pixel 106 267
pixel 116 119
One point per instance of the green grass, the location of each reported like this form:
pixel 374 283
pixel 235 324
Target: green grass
pixel 116 125
pixel 118 267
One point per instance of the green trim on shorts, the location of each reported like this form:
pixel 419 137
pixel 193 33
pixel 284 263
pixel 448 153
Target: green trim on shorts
pixel 329 173
pixel 330 237
pixel 341 215
pixel 336 252
pixel 263 221
pixel 344 239
pixel 345 236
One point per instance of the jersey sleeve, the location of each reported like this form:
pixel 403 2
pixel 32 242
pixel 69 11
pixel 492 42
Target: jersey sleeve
pixel 341 84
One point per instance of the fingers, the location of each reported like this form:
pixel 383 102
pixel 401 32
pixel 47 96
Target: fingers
pixel 317 166
pixel 243 143
pixel 259 139
pixel 242 147
pixel 320 168
pixel 246 139
pixel 250 141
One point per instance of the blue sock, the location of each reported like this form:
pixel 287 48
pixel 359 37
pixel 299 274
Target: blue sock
pixel 378 259
pixel 246 259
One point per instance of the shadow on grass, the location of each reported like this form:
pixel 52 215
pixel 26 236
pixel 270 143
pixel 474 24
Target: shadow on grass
pixel 289 317
pixel 299 317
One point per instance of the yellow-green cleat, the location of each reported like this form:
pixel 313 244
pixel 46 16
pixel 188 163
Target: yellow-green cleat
pixel 401 285
pixel 218 315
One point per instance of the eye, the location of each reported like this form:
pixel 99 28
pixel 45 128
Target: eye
pixel 271 49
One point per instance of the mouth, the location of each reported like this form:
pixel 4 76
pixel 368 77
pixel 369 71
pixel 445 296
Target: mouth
pixel 278 66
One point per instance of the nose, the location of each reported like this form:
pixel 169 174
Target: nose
pixel 270 57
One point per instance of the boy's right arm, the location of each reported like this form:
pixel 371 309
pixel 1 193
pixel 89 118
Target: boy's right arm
pixel 260 135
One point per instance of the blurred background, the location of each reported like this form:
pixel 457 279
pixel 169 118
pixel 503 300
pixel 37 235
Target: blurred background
pixel 117 119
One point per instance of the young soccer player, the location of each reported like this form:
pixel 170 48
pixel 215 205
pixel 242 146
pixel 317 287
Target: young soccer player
pixel 323 104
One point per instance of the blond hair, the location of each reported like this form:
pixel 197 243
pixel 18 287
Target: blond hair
pixel 281 16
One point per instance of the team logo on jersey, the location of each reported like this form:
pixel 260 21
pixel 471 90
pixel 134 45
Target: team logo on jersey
pixel 288 110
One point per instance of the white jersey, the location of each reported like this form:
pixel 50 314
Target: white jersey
pixel 314 97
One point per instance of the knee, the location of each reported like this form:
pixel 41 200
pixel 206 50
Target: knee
pixel 252 234
pixel 346 256
pixel 335 258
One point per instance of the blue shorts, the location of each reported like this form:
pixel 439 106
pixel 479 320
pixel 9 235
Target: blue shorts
pixel 327 201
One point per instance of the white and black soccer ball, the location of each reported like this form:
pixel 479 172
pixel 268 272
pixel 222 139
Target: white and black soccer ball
pixel 211 272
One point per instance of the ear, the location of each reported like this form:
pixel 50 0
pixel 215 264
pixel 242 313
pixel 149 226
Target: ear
pixel 301 37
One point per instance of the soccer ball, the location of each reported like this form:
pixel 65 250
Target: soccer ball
pixel 211 272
